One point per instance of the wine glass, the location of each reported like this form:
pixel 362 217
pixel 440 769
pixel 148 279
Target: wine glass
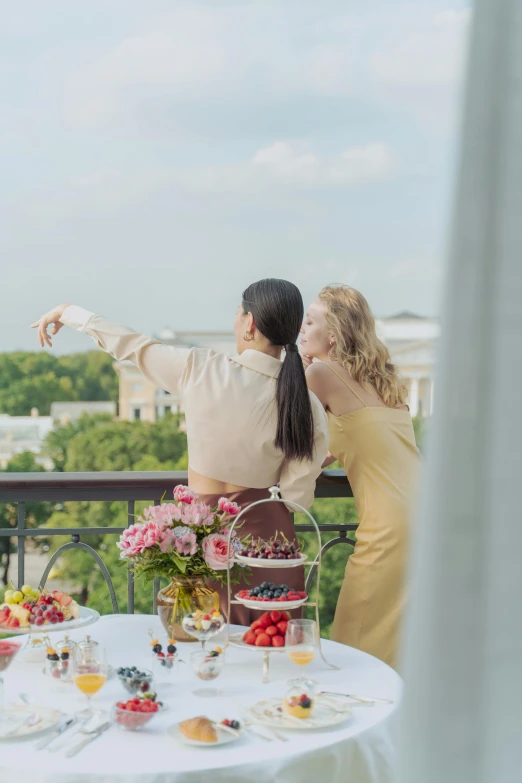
pixel 301 642
pixel 90 671
pixel 8 650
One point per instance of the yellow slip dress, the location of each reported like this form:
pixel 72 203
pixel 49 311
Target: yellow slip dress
pixel 376 447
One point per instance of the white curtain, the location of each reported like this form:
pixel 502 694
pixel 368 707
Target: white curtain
pixel 461 720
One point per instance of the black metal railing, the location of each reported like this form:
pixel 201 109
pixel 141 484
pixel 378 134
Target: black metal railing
pixel 21 488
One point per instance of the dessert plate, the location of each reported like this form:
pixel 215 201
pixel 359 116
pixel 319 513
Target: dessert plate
pixel 265 606
pixel 87 616
pixel 261 562
pixel 23 727
pixel 223 737
pixel 326 713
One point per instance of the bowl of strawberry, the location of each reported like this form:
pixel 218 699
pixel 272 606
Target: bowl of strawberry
pixel 268 631
pixel 268 595
pixel 135 713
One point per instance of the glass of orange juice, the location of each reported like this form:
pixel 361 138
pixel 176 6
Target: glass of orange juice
pixel 90 672
pixel 302 639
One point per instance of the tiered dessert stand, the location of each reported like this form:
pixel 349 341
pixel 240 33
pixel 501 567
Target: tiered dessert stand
pixel 237 639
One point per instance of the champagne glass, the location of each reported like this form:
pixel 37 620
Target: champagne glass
pixel 8 650
pixel 90 671
pixel 301 643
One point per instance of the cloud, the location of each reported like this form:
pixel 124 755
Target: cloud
pixel 429 56
pixel 295 166
pixel 202 53
pixel 282 164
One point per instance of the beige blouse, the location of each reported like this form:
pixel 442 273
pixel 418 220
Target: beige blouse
pixel 229 404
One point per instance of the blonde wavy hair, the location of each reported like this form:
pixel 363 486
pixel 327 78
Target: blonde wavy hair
pixel 357 347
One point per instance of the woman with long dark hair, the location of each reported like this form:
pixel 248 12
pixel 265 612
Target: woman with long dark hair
pixel 251 421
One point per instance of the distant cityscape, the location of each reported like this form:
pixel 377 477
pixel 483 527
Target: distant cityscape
pixel 411 340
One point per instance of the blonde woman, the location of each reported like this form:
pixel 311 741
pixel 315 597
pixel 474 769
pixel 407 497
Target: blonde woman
pixel 371 434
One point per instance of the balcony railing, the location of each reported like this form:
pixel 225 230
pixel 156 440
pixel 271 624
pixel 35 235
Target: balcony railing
pixel 21 488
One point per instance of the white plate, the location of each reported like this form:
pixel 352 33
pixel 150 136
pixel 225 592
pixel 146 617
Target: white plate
pixel 49 719
pixel 262 563
pixel 326 712
pixel 87 616
pixel 223 737
pixel 268 606
pixel 237 640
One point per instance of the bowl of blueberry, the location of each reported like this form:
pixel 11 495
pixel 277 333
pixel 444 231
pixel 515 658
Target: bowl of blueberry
pixel 135 681
pixel 272 596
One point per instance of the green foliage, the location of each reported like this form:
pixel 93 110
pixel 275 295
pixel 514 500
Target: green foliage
pixel 35 380
pixel 36 513
pixel 98 444
pixel 331 511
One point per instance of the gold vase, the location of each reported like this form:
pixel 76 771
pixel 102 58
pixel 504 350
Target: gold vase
pixel 183 596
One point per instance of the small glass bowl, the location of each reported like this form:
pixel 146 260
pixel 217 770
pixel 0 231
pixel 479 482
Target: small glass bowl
pixel 300 698
pixel 137 681
pixel 131 721
pixel 207 666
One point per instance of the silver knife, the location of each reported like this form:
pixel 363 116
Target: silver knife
pixel 54 734
pixel 92 736
pixel 361 699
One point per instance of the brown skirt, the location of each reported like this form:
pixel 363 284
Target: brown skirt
pixel 263 521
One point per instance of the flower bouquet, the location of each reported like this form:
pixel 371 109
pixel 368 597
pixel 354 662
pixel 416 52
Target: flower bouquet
pixel 187 542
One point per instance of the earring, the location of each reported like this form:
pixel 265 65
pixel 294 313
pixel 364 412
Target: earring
pixel 332 342
pixel 248 337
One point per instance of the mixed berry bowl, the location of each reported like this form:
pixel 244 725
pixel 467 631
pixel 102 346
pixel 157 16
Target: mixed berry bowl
pixel 134 713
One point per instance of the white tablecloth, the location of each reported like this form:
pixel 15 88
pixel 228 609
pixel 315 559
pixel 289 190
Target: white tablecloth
pixel 360 750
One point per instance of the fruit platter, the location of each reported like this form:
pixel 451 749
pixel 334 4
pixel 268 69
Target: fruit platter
pixel 273 553
pixel 269 631
pixel 30 610
pixel 268 595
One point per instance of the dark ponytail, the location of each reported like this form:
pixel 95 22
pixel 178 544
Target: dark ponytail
pixel 277 308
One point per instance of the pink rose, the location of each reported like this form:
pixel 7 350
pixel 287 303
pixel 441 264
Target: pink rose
pixel 184 495
pixel 215 551
pixel 228 507
pixel 197 514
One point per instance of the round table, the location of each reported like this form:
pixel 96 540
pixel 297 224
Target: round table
pixel 360 750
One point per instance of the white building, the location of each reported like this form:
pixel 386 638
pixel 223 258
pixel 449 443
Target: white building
pixel 65 412
pixel 410 338
pixel 24 433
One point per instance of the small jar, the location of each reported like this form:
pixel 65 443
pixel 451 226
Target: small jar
pixel 58 663
pixel 299 699
pixel 86 656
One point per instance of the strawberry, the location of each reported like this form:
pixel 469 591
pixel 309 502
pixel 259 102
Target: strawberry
pixel 259 631
pixel 301 594
pixel 271 630
pixel 278 641
pixel 255 624
pixel 265 620
pixel 249 637
pixel 282 626
pixel 285 616
pixel 275 617
pixel 263 640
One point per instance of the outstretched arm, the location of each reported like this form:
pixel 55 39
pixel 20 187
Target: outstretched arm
pixel 160 363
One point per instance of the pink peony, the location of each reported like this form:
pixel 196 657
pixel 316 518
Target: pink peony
pixel 168 541
pixel 131 541
pixel 229 507
pixel 215 551
pixel 183 494
pixel 197 514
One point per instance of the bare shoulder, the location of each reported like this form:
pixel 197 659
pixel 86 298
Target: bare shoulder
pixel 318 380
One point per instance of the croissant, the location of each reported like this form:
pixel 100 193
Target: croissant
pixel 199 728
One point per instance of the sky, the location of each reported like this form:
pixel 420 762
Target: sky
pixel 158 157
